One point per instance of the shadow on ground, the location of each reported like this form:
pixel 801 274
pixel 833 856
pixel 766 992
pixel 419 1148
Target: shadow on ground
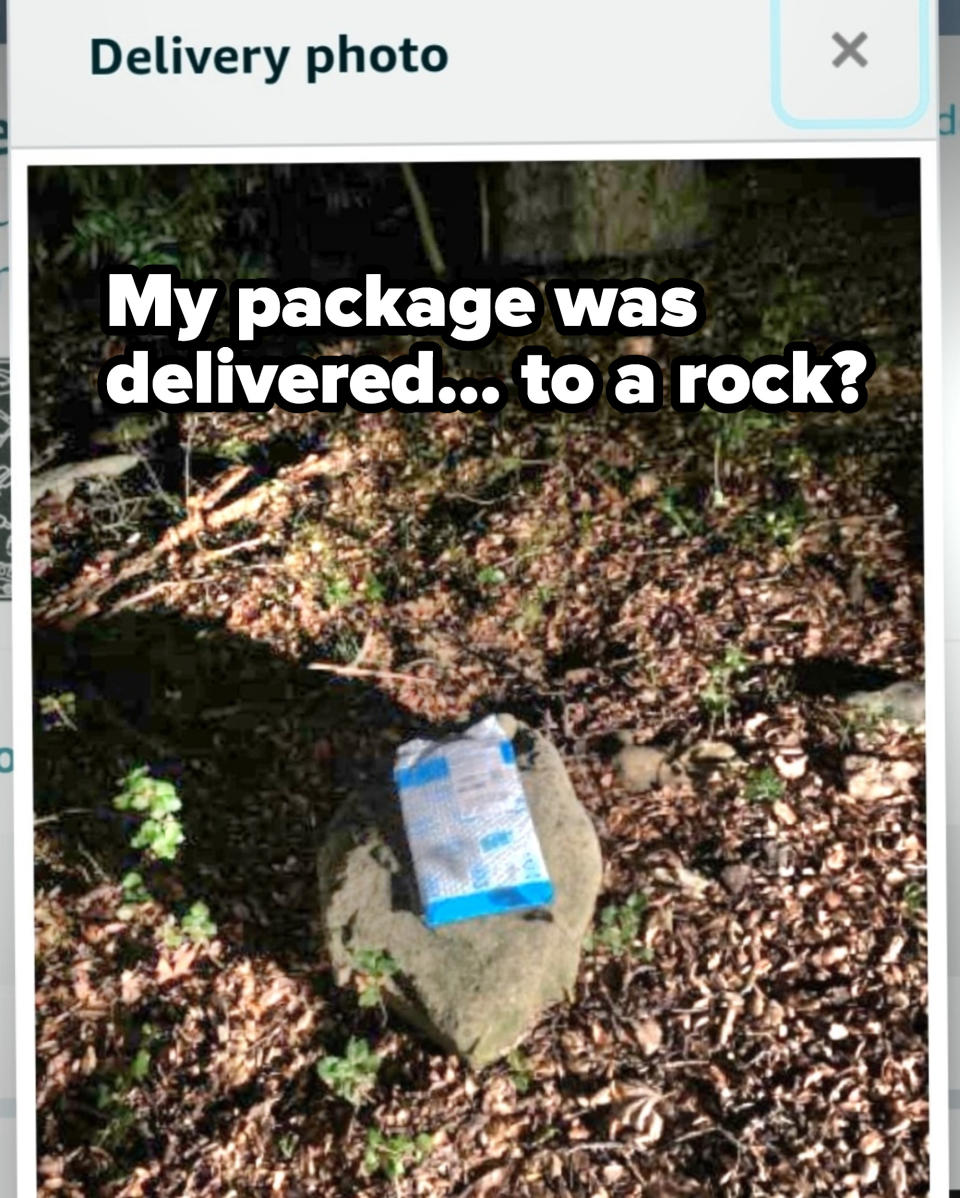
pixel 261 749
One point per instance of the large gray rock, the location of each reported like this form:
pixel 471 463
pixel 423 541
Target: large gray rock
pixel 474 987
pixel 904 701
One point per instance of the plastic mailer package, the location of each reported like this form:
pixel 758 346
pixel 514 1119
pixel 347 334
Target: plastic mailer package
pixel 474 847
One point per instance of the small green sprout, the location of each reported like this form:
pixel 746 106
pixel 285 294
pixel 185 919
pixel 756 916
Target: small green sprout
pixel 491 576
pixel 521 1071
pixel 160 832
pixel 620 927
pixel 375 967
pixel 764 786
pixel 337 591
pixel 393 1155
pixel 718 695
pixel 374 590
pixel 352 1076
pixel 914 897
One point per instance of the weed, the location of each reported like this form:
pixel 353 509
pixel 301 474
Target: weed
pixel 620 927
pixel 855 722
pixel 521 1071
pixel 717 697
pixel 375 968
pixel 352 1076
pixel 158 835
pixel 337 591
pixel 287 1144
pixel 160 832
pixel 234 449
pixel 392 1155
pixel 197 924
pixel 531 614
pixel 491 576
pixel 374 590
pixel 683 519
pixel 113 1095
pixel 135 894
pixel 784 523
pixel 764 786
pixel 914 898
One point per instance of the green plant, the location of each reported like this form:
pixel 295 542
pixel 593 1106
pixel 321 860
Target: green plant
pixel 620 926
pixel 352 1076
pixel 160 832
pixel 234 449
pixel 718 695
pixel 375 967
pixel 337 591
pixel 531 613
pixel 490 576
pixel 287 1144
pixel 393 1155
pixel 112 1095
pixel 914 897
pixel 521 1071
pixel 135 893
pixel 373 589
pixel 859 721
pixel 159 835
pixel 764 786
pixel 683 519
pixel 196 924
pixel 119 1116
pixel 784 523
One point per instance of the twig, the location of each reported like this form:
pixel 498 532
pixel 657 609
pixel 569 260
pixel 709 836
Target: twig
pixel 187 449
pixel 472 498
pixel 143 596
pixel 706 1131
pixel 209 555
pixel 52 819
pixel 364 648
pixel 330 667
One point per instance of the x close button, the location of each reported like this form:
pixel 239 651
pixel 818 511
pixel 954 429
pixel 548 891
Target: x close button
pixel 850 65
pixel 849 50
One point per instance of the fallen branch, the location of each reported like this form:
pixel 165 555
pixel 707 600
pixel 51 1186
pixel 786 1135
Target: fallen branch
pixel 330 667
pixel 204 516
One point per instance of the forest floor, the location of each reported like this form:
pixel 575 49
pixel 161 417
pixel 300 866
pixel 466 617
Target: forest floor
pixel 760 1029
pixel 764 1032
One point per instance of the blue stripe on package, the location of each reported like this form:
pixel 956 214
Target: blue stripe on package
pixel 474 847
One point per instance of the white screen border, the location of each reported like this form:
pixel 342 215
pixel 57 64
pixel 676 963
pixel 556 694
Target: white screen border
pixel 934 531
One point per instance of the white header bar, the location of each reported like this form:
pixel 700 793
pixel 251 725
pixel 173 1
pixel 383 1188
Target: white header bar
pixel 113 73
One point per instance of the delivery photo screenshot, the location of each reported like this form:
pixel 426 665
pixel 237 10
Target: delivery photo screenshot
pixel 478 672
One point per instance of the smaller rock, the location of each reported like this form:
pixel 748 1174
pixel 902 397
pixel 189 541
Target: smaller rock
pixel 707 755
pixel 877 778
pixel 904 701
pixel 736 877
pixel 639 767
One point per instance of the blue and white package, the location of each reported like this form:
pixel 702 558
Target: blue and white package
pixel 474 847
